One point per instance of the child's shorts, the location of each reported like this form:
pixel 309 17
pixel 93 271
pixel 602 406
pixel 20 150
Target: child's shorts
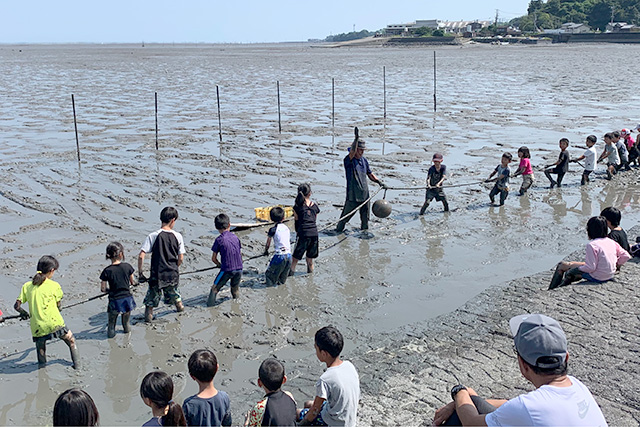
pixel 121 305
pixel 58 333
pixel 308 245
pixel 318 421
pixel 171 294
pixel 435 193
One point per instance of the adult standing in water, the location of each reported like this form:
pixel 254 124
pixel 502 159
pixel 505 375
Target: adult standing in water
pixel 356 168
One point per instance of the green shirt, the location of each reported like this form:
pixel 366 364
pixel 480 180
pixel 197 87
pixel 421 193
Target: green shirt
pixel 43 306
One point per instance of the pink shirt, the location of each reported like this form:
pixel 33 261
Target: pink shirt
pixel 629 140
pixel 602 257
pixel 525 165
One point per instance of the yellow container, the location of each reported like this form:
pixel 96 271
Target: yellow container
pixel 263 213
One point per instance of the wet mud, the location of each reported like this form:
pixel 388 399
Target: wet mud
pixel 374 286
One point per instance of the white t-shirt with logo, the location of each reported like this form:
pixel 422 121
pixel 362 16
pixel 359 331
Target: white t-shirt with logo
pixel 550 406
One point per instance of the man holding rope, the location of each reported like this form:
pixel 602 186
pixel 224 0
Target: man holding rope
pixel 357 171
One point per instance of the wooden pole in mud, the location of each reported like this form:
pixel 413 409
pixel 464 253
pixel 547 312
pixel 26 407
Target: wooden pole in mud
pixel 434 82
pixel 333 102
pixel 156 120
pixel 279 120
pixel 75 125
pixel 384 89
pixel 219 119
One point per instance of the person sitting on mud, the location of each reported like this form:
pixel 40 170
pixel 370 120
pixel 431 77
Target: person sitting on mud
pixel 502 179
pixel 356 168
pixel 167 252
pixel 561 166
pixel 435 177
pixel 617 233
pixel 558 400
pixel 228 246
pixel 117 280
pixel 43 296
pixel 603 257
pixel 611 154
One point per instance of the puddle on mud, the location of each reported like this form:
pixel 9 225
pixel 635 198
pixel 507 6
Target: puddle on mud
pixel 408 269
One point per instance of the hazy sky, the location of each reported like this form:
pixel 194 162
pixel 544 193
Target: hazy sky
pixel 122 21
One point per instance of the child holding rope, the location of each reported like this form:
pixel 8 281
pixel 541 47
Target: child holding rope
pixel 561 166
pixel 589 157
pixel 116 280
pixel 435 177
pixel 280 264
pixel 525 170
pixel 305 212
pixel 228 246
pixel 43 296
pixel 502 179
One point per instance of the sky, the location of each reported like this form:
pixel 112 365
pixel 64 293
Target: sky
pixel 229 21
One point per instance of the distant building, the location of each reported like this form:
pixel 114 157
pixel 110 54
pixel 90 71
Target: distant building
pixel 572 28
pixel 456 27
pixel 621 27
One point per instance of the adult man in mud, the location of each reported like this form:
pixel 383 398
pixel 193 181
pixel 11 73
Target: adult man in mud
pixel 357 171
pixel 558 400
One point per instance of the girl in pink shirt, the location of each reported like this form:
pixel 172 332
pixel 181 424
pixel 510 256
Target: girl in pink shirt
pixel 525 170
pixel 603 257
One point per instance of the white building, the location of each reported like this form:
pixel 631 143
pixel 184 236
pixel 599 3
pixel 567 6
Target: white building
pixel 572 28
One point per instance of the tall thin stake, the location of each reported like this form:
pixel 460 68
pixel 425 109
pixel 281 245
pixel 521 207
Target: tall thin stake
pixel 434 82
pixel 279 119
pixel 219 119
pixel 384 89
pixel 156 120
pixel 333 102
pixel 75 125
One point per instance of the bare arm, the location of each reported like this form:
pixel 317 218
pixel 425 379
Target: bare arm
pixel 492 173
pixel 140 262
pixel 354 145
pixel 103 285
pixel 131 280
pixel 373 178
pixel 439 184
pixel 266 246
pixel 313 411
pixel 467 411
pixel 214 258
pixel 180 259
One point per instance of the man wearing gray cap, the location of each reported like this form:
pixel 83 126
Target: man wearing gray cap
pixel 356 168
pixel 558 400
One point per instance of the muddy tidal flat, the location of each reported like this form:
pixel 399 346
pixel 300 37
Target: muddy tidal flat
pixel 412 284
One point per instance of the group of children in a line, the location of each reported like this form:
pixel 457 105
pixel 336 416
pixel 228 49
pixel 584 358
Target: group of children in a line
pixel 620 151
pixel 336 396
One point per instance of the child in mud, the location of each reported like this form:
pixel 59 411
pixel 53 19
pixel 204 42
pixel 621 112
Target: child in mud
pixel 116 280
pixel 210 407
pixel 502 179
pixel 228 246
pixel 589 158
pixel 611 154
pixel 156 391
pixel 167 253
pixel 613 217
pixel 603 257
pixel 621 146
pixel 305 212
pixel 524 169
pixel 277 408
pixel 280 264
pixel 435 177
pixel 632 145
pixel 337 390
pixel 43 296
pixel 561 166
pixel 74 407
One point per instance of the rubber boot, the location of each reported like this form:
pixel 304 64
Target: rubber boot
pixel 75 356
pixel 148 314
pixel 424 208
pixel 213 293
pixel 235 291
pixel 556 279
pixel 126 325
pixel 179 306
pixel 41 351
pixel 446 205
pixel 111 325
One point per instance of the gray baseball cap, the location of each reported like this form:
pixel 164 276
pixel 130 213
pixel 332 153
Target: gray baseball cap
pixel 537 335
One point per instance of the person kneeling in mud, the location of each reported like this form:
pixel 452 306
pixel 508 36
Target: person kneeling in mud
pixel 603 257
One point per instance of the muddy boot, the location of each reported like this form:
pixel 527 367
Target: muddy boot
pixel 179 306
pixel 75 356
pixel 148 314
pixel 235 291
pixel 126 325
pixel 211 301
pixel 424 208
pixel 556 279
pixel 41 351
pixel 111 325
pixel 446 205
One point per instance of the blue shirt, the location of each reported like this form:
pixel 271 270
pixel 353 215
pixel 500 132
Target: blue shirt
pixel 214 411
pixel 228 246
pixel 356 171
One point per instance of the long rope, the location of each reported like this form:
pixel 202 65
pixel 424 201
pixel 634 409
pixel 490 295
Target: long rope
pixel 348 215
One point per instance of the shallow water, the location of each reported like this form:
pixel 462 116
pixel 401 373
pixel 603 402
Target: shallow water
pixel 490 100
